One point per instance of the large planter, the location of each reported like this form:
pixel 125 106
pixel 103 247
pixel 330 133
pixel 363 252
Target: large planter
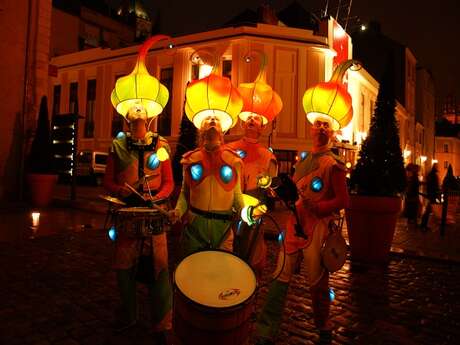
pixel 41 187
pixel 371 223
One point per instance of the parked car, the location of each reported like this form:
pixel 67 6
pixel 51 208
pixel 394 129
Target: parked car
pixel 92 165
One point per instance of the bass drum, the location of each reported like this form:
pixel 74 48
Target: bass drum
pixel 213 299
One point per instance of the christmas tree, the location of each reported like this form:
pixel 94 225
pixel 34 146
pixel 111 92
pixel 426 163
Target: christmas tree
pixel 187 142
pixel 40 159
pixel 380 167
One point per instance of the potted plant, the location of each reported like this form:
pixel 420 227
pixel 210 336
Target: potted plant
pixel 40 173
pixel 377 182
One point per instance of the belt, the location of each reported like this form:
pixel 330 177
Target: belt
pixel 211 215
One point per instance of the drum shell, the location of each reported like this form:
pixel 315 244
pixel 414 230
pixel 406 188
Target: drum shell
pixel 139 222
pixel 197 324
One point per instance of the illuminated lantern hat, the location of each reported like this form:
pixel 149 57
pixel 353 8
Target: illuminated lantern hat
pixel 212 95
pixel 140 87
pixel 258 97
pixel 330 99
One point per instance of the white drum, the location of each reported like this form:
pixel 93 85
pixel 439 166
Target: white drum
pixel 213 299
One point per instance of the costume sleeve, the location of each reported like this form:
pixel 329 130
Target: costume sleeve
pixel 109 177
pixel 167 182
pixel 182 201
pixel 238 202
pixel 340 199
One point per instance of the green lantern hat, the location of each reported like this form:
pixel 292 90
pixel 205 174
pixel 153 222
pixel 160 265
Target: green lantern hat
pixel 140 87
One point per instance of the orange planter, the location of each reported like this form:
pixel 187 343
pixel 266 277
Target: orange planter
pixel 371 225
pixel 41 189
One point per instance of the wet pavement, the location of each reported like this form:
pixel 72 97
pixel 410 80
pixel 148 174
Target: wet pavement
pixel 58 287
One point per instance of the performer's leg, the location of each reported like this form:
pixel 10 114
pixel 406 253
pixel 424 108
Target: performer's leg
pixel 127 288
pixel 318 278
pixel 160 291
pixel 227 243
pixel 269 320
pixel 160 295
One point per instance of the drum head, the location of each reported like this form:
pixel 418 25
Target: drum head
pixel 215 279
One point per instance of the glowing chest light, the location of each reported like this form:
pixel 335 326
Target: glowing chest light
pixel 226 173
pixel 241 153
pixel 316 184
pixel 153 162
pixel 196 172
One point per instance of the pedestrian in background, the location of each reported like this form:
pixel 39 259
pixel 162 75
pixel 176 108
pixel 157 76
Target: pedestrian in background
pixel 412 203
pixel 432 193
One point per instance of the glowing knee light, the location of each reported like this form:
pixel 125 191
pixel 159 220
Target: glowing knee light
pixel 112 233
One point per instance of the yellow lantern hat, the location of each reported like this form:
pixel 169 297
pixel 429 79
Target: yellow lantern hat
pixel 258 97
pixel 330 99
pixel 140 87
pixel 213 95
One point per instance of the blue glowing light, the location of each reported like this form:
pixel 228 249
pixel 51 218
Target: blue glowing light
pixel 281 237
pixel 153 162
pixel 316 184
pixel 270 149
pixel 112 233
pixel 331 294
pixel 226 173
pixel 238 227
pixel 241 153
pixel 196 170
pixel 303 155
pixel 121 135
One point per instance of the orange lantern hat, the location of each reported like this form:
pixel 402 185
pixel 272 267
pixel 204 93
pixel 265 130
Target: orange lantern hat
pixel 258 97
pixel 140 87
pixel 212 95
pixel 330 99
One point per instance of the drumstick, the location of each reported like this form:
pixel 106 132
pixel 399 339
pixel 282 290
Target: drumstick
pixel 156 207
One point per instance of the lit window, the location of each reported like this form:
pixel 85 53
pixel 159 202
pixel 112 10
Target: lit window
pixel 446 164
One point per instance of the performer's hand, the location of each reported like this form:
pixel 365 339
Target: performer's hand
pixel 259 211
pixel 124 192
pixel 173 216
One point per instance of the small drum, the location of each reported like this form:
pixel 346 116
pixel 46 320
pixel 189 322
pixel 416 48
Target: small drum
pixel 139 221
pixel 213 299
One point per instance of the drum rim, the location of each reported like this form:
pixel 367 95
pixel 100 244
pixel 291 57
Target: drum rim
pixel 244 302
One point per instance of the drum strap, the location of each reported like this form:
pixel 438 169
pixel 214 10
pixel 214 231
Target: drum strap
pixel 211 215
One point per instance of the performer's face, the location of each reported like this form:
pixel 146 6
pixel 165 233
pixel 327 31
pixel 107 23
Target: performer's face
pixel 253 125
pixel 321 132
pixel 211 121
pixel 137 112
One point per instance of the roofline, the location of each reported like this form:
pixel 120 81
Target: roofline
pixel 285 34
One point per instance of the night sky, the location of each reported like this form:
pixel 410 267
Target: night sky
pixel 429 29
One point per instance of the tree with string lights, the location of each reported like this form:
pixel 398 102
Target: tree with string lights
pixel 380 167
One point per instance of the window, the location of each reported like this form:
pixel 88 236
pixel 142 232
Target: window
pixel 227 69
pixel 446 148
pixel 90 108
pixel 195 71
pixel 164 120
pixel 446 164
pixel 117 119
pixel 56 99
pixel 73 98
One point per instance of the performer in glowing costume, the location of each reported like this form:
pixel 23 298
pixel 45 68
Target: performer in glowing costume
pixel 320 178
pixel 140 158
pixel 260 106
pixel 212 173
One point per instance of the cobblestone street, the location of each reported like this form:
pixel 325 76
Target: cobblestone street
pixel 58 288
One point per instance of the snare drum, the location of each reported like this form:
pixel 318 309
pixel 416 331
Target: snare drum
pixel 213 299
pixel 139 221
